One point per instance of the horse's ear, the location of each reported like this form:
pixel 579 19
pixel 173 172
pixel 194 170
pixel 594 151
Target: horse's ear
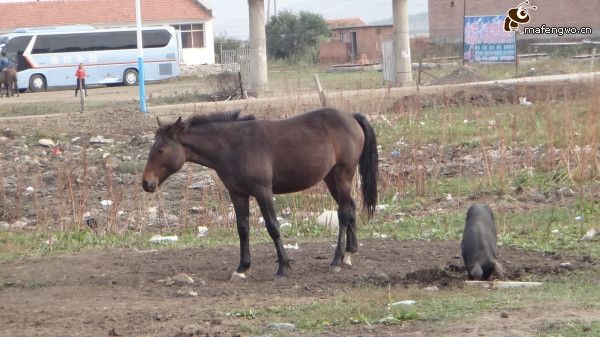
pixel 178 124
pixel 158 121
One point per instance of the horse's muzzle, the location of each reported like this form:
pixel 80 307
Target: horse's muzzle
pixel 148 186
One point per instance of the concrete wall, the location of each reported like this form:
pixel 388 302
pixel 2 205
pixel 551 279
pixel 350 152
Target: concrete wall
pixel 446 16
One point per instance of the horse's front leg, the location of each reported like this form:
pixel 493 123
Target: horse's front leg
pixel 264 198
pixel 242 213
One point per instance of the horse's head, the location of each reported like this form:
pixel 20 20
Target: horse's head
pixel 166 156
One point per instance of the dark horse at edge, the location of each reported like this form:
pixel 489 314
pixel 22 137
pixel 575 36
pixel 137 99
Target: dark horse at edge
pixel 8 78
pixel 260 158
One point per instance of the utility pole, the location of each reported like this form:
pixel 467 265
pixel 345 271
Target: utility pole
pixel 258 48
pixel 402 44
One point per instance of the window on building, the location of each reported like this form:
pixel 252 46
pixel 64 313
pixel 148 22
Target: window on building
pixel 192 35
pixel 342 36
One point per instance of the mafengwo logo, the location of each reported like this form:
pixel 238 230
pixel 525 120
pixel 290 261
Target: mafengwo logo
pixel 518 16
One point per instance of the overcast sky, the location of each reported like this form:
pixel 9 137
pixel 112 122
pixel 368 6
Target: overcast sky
pixel 231 16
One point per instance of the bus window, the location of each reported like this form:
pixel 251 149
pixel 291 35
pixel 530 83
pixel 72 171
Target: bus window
pixel 155 38
pixel 15 49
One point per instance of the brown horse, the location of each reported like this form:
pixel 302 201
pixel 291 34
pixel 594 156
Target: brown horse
pixel 8 77
pixel 260 158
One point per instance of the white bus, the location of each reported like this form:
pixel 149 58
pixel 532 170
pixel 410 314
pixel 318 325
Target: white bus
pixel 49 57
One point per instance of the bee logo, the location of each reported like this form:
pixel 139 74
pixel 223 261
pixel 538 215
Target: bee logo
pixel 517 16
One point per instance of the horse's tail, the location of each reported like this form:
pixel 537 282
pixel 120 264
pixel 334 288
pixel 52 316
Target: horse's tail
pixel 368 165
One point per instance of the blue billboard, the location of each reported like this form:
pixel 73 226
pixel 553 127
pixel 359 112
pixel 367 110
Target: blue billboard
pixel 486 40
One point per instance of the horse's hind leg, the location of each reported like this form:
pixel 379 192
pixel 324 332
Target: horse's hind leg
pixel 351 243
pixel 264 198
pixel 346 217
pixel 242 213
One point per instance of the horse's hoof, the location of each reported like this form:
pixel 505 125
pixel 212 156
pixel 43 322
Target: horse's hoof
pixel 348 259
pixel 335 269
pixel 237 276
pixel 280 278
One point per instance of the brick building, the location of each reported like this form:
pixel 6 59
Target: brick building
pixel 190 17
pixel 446 16
pixel 354 41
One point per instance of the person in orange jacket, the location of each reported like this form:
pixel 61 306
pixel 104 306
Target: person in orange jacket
pixel 81 75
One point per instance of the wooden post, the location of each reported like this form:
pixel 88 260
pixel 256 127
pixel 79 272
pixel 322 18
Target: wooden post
pixel 419 73
pixel 593 59
pixel 321 91
pixel 242 91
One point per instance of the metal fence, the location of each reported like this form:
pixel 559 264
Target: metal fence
pixel 240 61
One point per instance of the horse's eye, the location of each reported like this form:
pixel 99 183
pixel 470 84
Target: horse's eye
pixel 161 150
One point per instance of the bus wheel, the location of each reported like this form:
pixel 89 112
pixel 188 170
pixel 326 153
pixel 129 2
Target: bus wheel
pixel 37 83
pixel 130 77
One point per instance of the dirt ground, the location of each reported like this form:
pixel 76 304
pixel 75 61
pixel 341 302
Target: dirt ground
pixel 121 292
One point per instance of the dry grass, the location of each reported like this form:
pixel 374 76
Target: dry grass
pixel 559 135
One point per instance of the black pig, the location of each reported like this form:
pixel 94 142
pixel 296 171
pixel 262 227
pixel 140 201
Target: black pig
pixel 479 243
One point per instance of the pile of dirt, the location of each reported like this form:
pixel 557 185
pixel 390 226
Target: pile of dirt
pixel 460 75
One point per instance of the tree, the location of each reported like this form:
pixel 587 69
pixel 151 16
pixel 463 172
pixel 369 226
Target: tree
pixel 290 34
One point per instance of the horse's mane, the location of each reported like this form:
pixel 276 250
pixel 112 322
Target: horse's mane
pixel 216 117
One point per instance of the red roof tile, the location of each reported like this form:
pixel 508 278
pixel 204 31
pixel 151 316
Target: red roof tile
pixel 349 22
pixel 98 12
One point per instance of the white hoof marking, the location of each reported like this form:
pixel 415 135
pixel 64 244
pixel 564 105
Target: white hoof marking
pixel 237 275
pixel 347 259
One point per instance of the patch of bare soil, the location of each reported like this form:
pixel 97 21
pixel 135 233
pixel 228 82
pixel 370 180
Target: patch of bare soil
pixel 122 292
